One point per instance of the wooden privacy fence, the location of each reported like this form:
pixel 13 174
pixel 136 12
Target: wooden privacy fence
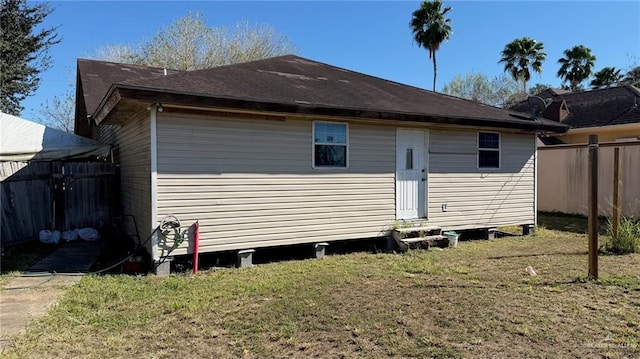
pixel 54 195
pixel 563 176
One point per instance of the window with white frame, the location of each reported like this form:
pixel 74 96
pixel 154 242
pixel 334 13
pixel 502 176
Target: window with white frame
pixel 330 142
pixel 488 150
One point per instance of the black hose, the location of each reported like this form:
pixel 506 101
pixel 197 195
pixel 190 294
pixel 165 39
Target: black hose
pixel 54 274
pixel 131 254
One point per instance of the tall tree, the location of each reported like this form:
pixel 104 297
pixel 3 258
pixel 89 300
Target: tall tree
pixel 520 96
pixel 632 77
pixel 122 53
pixel 521 54
pixel 538 88
pixel 478 87
pixel 186 44
pixel 190 44
pixel 576 66
pixel 430 29
pixel 24 51
pixel 59 112
pixel 606 77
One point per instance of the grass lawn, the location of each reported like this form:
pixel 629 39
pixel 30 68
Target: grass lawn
pixel 472 301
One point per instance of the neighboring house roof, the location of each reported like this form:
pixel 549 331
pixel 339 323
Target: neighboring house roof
pixel 593 108
pixel 550 140
pixel 552 92
pixel 291 84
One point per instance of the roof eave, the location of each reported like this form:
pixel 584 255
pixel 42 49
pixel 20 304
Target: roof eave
pixel 118 91
pixel 108 103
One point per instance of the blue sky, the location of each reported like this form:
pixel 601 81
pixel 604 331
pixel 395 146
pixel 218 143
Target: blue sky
pixel 372 37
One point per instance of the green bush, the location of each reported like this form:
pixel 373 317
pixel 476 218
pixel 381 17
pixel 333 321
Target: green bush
pixel 628 240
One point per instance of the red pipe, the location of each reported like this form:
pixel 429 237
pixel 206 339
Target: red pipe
pixel 196 244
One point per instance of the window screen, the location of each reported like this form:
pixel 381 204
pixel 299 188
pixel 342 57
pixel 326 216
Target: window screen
pixel 488 150
pixel 329 144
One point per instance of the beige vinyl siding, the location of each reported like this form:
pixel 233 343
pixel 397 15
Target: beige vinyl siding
pixel 480 198
pixel 250 183
pixel 132 140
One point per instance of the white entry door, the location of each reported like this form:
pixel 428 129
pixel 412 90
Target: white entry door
pixel 411 174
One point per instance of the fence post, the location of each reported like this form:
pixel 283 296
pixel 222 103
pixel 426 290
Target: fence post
pixel 615 221
pixel 593 206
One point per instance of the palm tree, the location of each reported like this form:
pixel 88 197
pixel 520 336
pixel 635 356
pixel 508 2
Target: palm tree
pixel 633 77
pixel 431 28
pixel 606 77
pixel 521 54
pixel 576 66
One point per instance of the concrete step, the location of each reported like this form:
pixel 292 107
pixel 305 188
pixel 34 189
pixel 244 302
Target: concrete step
pixel 430 239
pixel 424 242
pixel 425 229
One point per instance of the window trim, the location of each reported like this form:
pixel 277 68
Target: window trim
pixel 499 150
pixel 314 143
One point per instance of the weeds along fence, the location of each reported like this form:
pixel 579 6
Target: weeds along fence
pixel 563 176
pixel 54 195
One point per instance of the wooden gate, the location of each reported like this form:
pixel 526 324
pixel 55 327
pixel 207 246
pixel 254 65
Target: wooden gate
pixel 54 195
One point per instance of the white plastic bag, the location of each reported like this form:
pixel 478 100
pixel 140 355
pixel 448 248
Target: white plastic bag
pixel 69 236
pixel 530 270
pixel 49 237
pixel 88 234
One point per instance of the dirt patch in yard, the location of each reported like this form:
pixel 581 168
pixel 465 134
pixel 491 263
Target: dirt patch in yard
pixel 26 298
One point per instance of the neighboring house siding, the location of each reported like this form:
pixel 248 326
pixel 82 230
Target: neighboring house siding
pixel 605 134
pixel 250 183
pixel 133 153
pixel 480 198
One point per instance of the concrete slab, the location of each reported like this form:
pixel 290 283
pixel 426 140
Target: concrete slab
pixel 319 249
pixel 73 257
pixel 244 258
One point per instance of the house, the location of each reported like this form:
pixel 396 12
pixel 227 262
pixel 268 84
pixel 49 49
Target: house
pixel 611 113
pixel 288 150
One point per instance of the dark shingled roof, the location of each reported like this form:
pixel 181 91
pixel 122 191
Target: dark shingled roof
pixel 294 84
pixel 94 78
pixel 550 92
pixel 593 108
pixel 98 76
